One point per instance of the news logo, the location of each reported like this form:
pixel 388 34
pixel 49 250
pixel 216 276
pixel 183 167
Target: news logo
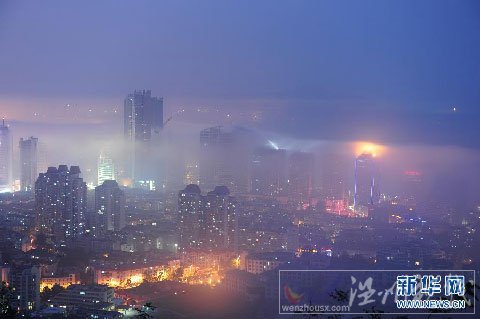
pixel 397 292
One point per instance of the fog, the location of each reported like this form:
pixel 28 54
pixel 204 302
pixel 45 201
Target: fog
pixel 448 173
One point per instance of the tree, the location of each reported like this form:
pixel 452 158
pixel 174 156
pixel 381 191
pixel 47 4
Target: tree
pixel 178 274
pixel 6 297
pixel 145 311
pixel 48 293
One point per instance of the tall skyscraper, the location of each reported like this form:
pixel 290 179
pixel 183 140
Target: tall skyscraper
pixel 224 159
pixel 413 188
pixel 300 176
pixel 28 162
pixel 42 157
pixel 269 171
pixel 366 181
pixel 207 222
pixel 60 201
pixel 143 114
pixel 106 168
pixel 333 181
pixel 109 207
pixel 5 158
pixel 215 165
pixel 220 221
pixel 190 216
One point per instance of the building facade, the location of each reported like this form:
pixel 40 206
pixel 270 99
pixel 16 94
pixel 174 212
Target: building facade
pixel 215 164
pixel 25 282
pixel 220 221
pixel 105 168
pixel 142 117
pixel 366 181
pixel 85 297
pixel 5 158
pixel 207 222
pixel 300 176
pixel 28 163
pixel 109 207
pixel 269 172
pixel 60 202
pixel 191 206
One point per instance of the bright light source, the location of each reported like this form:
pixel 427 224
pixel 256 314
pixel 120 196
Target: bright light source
pixel 273 145
pixel 369 148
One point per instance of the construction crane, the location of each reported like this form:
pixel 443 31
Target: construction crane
pixel 169 119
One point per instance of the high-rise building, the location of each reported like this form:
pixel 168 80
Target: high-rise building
pixel 300 176
pixel 224 159
pixel 143 114
pixel 413 187
pixel 215 166
pixel 109 207
pixel 219 221
pixel 5 158
pixel 42 157
pixel 191 206
pixel 366 181
pixel 207 222
pixel 106 168
pixel 25 282
pixel 333 181
pixel 191 173
pixel 60 201
pixel 28 162
pixel 269 171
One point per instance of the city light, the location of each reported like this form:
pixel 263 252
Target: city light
pixel 230 168
pixel 363 147
pixel 136 279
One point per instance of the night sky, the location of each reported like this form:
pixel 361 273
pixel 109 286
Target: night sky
pixel 390 72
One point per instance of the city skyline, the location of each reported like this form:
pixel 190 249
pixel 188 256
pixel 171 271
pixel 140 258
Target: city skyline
pixel 315 74
pixel 240 159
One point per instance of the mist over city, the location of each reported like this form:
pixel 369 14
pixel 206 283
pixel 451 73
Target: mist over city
pixel 242 159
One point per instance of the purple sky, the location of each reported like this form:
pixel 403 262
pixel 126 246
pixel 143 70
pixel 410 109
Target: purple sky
pixel 392 70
